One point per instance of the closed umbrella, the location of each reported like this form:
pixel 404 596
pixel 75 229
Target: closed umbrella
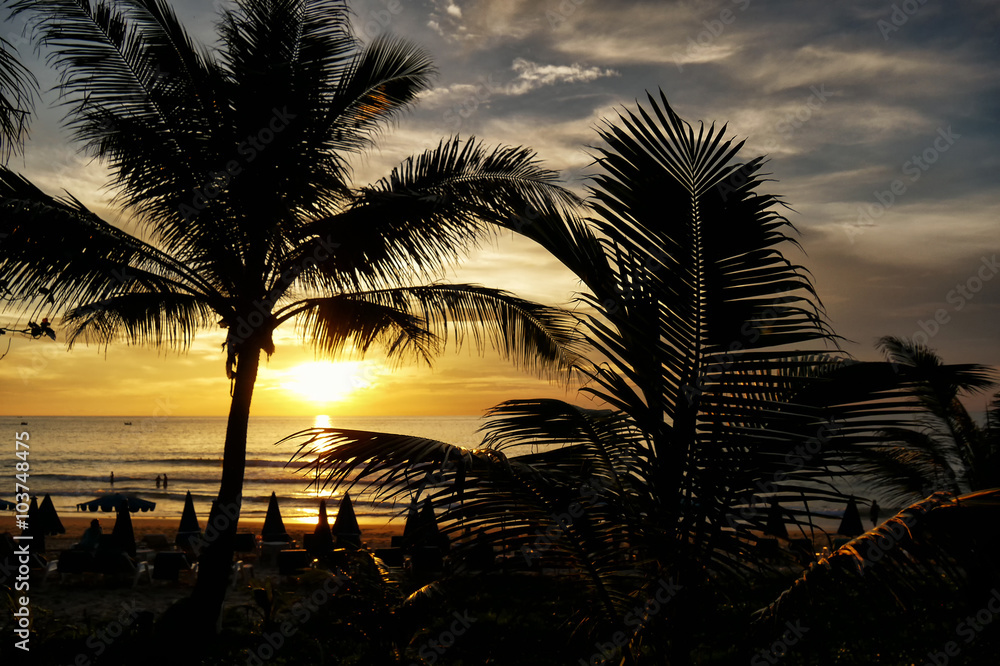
pixel 32 516
pixel 421 528
pixel 346 527
pixel 322 538
pixel 123 533
pixel 775 521
pixel 189 527
pixel 48 517
pixel 34 529
pixel 851 523
pixel 274 526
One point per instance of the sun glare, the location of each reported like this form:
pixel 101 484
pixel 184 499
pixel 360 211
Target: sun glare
pixel 325 382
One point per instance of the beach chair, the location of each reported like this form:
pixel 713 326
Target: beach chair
pixel 50 568
pixel 75 561
pixel 244 548
pixel 391 557
pixel 245 545
pixel 156 542
pixel 118 564
pixel 168 564
pixel 294 562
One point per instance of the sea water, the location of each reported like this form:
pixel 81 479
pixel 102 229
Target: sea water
pixel 72 458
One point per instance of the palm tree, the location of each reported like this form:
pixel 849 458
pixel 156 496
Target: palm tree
pixel 696 316
pixel 947 450
pixel 235 165
pixel 721 385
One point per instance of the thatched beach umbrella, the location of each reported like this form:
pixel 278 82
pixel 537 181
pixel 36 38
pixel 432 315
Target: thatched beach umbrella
pixel 189 527
pixel 48 518
pixel 122 532
pixel 346 527
pixel 111 501
pixel 851 523
pixel 274 526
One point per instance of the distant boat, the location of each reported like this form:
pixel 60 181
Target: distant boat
pixel 24 423
pixel 128 423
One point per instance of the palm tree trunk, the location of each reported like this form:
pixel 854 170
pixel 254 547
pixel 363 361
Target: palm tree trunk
pixel 215 564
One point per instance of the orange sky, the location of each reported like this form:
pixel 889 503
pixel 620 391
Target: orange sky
pixel 43 378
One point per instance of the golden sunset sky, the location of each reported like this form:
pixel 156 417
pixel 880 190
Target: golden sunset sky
pixel 881 128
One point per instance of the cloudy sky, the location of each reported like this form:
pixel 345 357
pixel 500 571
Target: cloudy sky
pixel 880 121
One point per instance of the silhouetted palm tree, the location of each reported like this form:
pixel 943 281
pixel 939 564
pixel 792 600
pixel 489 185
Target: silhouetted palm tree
pixel 946 450
pixel 18 89
pixel 234 164
pixel 724 390
pixel 695 314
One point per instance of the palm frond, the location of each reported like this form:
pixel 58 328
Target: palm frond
pixel 429 210
pixel 385 77
pixel 421 319
pixel 932 560
pixel 58 248
pixel 155 319
pixel 18 92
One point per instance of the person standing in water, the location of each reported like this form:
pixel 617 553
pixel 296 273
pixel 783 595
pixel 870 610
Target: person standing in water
pixel 112 478
pixel 164 481
pixel 157 480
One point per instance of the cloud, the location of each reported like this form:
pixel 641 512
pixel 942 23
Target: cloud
pixel 529 76
pixel 532 75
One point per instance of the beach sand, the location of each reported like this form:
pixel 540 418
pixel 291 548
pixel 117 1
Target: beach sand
pixel 88 600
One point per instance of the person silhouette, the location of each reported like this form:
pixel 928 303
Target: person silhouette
pixel 112 478
pixel 91 537
pixel 157 480
pixel 164 481
pixel 873 513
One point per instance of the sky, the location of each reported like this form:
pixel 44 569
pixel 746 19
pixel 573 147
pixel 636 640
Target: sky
pixel 879 119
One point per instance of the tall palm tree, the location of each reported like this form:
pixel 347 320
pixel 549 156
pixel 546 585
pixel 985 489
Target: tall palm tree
pixel 234 164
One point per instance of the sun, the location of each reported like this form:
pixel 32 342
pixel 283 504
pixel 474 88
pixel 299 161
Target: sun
pixel 323 382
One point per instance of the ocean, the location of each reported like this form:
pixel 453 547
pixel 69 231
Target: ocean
pixel 72 458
